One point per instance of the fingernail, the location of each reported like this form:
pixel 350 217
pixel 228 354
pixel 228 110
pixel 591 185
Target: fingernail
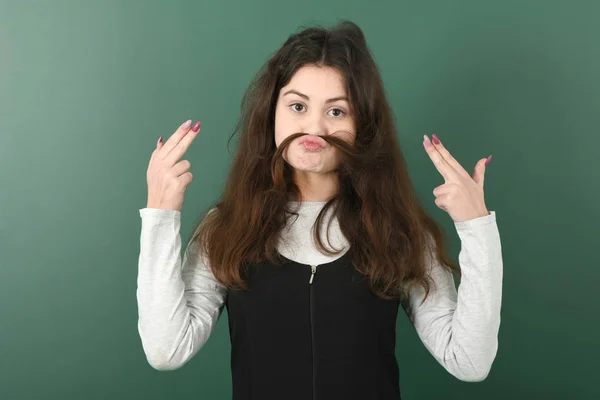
pixel 196 126
pixel 436 140
pixel 186 124
pixel 159 141
pixel 488 160
pixel 427 142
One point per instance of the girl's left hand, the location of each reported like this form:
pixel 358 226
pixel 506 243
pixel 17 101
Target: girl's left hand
pixel 461 195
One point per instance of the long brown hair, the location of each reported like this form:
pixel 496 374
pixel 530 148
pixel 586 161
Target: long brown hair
pixel 389 233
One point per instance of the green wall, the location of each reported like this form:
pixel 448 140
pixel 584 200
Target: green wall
pixel 86 89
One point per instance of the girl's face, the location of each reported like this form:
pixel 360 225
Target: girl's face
pixel 314 102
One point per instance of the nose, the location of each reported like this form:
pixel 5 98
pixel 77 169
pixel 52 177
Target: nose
pixel 316 125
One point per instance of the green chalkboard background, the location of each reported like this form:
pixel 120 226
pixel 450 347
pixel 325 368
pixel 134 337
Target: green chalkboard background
pixel 87 87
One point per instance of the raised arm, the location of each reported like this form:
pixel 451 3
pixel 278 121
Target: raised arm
pixel 460 329
pixel 179 304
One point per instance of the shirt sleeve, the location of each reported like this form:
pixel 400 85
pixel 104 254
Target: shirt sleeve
pixel 460 329
pixel 179 303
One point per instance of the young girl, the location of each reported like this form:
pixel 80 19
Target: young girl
pixel 309 320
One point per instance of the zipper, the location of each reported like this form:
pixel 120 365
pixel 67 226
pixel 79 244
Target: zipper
pixel 312 331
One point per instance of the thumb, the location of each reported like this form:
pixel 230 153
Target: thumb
pixel 479 174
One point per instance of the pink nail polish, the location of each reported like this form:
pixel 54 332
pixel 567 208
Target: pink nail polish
pixel 186 124
pixel 435 138
pixel 488 160
pixel 196 126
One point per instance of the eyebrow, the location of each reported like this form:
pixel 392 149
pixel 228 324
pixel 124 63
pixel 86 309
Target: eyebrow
pixel 307 98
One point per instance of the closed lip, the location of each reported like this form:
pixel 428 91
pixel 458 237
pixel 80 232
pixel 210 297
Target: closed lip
pixel 317 141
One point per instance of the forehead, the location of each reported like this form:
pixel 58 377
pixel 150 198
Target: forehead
pixel 316 81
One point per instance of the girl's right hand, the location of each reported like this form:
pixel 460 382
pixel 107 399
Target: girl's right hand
pixel 167 179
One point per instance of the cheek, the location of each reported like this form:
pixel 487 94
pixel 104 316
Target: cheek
pixel 281 134
pixel 279 129
pixel 279 137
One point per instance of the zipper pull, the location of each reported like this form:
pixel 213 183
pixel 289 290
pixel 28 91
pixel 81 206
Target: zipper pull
pixel 313 269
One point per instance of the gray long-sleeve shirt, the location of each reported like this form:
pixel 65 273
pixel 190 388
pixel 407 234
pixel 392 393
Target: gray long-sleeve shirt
pixel 180 302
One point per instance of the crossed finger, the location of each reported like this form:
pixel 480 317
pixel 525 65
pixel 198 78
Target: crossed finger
pixel 443 160
pixel 179 142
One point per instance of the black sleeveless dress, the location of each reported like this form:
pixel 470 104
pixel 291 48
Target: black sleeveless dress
pixel 305 332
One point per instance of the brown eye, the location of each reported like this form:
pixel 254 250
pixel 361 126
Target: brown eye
pixel 340 110
pixel 297 104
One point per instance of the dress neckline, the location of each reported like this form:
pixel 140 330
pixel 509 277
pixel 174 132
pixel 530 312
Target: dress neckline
pixel 333 262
